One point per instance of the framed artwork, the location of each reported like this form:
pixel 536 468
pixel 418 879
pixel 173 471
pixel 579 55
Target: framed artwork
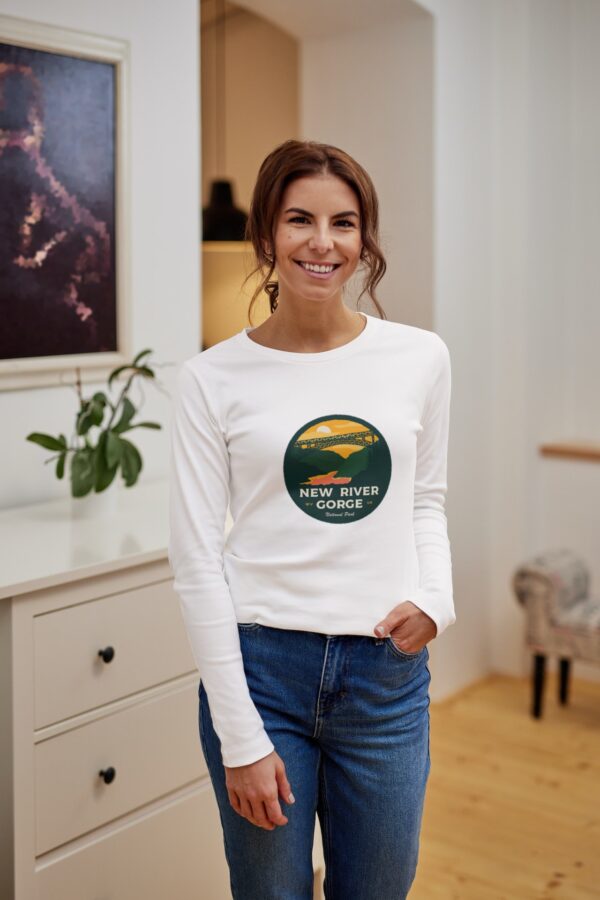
pixel 64 223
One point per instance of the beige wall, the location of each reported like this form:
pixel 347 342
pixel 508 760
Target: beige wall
pixel 261 95
pixel 383 116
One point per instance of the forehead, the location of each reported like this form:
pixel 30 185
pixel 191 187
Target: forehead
pixel 320 194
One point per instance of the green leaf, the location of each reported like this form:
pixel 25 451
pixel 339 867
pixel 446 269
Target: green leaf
pixel 108 476
pixel 144 370
pixel 131 462
pixel 82 472
pixel 104 473
pixel 127 414
pixel 115 373
pixel 47 441
pixel 139 356
pixel 113 450
pixel 91 413
pixel 144 425
pixel 60 465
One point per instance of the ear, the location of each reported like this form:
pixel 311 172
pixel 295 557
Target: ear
pixel 266 247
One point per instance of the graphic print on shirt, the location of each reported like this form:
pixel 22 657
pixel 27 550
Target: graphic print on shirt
pixel 337 468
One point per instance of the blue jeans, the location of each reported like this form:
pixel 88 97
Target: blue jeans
pixel 349 716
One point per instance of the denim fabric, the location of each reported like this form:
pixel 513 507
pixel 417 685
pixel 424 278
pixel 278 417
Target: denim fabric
pixel 349 716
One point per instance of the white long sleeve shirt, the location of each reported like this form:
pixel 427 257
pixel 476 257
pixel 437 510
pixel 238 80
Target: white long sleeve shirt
pixel 333 465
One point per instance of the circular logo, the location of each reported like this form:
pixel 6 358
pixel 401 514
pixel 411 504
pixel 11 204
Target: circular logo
pixel 337 468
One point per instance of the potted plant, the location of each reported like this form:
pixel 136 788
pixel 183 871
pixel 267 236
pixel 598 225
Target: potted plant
pixel 95 462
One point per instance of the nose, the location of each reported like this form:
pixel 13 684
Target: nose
pixel 321 240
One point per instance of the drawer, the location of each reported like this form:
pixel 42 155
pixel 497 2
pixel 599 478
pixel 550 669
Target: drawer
pixel 176 853
pixel 154 748
pixel 145 629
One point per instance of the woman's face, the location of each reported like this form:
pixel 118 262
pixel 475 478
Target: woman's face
pixel 318 223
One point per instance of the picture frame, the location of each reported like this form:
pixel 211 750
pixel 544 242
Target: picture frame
pixel 65 283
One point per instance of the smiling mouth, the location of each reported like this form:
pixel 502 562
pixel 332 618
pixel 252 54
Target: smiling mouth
pixel 329 267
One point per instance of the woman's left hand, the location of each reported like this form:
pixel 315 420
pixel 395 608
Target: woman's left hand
pixel 409 626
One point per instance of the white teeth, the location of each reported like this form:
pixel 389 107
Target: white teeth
pixel 312 268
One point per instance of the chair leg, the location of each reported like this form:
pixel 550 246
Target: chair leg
pixel 563 684
pixel 539 671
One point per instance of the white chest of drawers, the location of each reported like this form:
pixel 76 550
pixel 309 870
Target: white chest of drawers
pixel 104 793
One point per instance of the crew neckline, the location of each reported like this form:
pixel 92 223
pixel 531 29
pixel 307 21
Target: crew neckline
pixel 295 356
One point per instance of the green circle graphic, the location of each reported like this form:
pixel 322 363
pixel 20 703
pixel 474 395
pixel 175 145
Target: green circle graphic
pixel 337 468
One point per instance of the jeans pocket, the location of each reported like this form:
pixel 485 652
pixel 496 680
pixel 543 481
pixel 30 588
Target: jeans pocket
pixel 402 653
pixel 248 626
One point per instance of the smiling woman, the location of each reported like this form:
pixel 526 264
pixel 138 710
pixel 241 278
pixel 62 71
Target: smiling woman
pixel 325 431
pixel 323 244
pixel 313 207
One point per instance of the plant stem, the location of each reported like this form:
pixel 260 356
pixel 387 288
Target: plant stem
pixel 120 400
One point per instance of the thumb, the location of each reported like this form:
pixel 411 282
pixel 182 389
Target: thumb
pixel 284 786
pixel 397 617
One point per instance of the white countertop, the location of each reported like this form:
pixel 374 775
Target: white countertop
pixel 44 544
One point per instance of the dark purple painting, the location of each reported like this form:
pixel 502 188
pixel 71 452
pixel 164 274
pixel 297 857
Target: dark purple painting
pixel 57 204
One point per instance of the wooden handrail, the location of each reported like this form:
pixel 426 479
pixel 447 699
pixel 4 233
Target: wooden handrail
pixel 573 450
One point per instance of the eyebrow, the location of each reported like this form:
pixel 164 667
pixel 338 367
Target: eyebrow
pixel 305 212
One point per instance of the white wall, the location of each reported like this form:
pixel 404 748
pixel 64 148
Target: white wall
pixel 517 199
pixel 462 316
pixel 165 223
pixel 583 299
pixel 569 493
pixel 545 280
pixel 513 456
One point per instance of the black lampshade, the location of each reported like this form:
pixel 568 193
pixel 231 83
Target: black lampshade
pixel 221 219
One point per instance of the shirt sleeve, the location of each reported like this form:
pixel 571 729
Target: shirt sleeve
pixel 198 502
pixel 435 594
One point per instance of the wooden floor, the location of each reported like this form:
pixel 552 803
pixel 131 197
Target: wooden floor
pixel 512 810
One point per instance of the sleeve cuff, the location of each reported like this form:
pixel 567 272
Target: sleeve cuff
pixel 246 753
pixel 442 614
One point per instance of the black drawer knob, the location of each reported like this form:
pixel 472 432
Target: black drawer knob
pixel 107 654
pixel 108 774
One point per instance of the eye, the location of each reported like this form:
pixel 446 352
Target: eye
pixel 344 222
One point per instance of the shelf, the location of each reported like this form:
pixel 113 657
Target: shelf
pixel 573 450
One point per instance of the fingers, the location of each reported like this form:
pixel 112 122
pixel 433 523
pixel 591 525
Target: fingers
pixel 389 624
pixel 274 812
pixel 405 645
pixel 285 789
pixel 256 813
pixel 262 813
pixel 394 619
pixel 234 800
pixel 254 791
pixel 247 812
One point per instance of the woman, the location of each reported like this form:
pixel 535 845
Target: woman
pixel 326 431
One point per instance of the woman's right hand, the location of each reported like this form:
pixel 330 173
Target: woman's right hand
pixel 254 790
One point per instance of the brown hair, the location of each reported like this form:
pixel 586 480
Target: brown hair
pixel 296 159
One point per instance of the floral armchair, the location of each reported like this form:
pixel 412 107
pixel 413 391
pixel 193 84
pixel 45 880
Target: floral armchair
pixel 563 619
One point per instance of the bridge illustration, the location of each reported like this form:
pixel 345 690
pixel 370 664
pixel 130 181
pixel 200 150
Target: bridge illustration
pixel 363 438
